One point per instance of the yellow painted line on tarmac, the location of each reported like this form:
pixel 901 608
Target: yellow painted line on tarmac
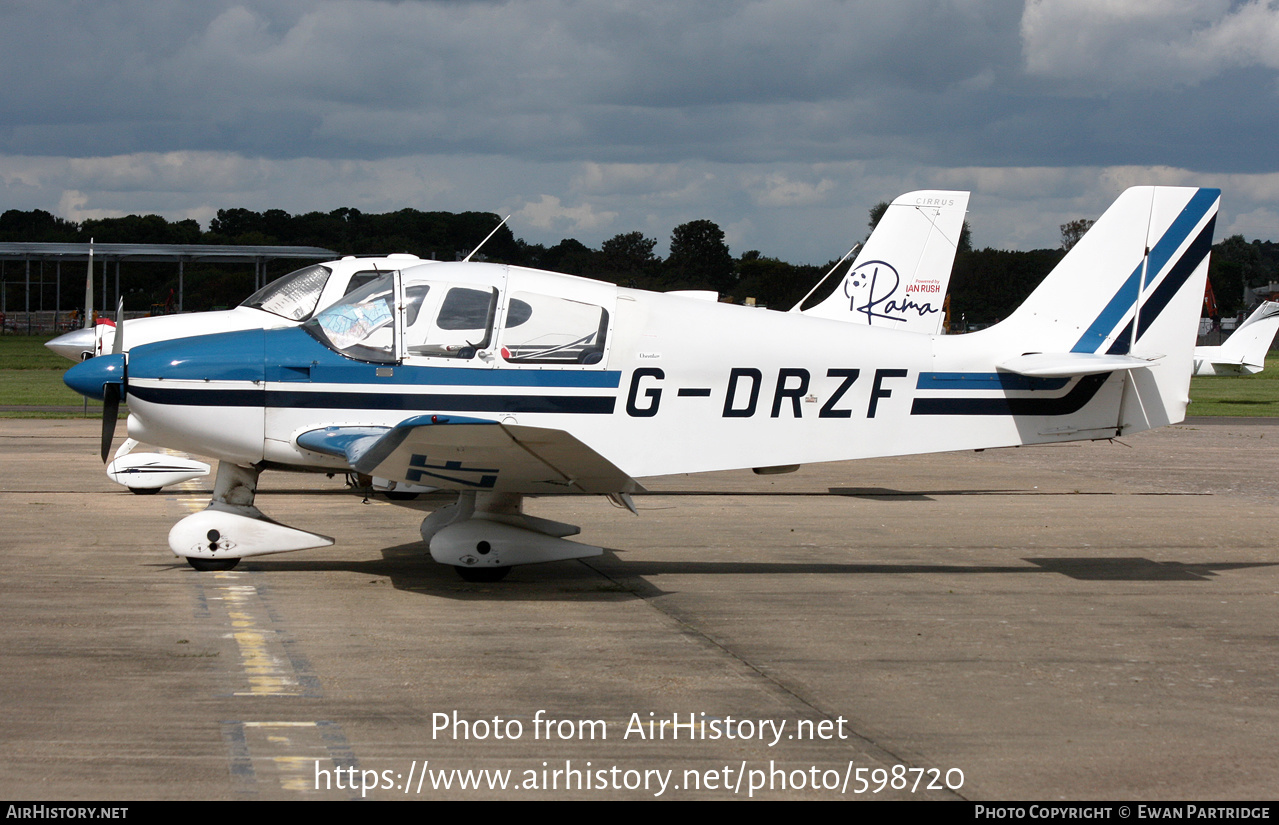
pixel 269 673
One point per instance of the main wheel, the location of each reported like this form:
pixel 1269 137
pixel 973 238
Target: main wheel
pixel 144 491
pixel 482 574
pixel 212 565
pixel 400 495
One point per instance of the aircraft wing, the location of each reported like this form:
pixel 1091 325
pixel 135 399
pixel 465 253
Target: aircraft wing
pixel 461 453
pixel 1072 364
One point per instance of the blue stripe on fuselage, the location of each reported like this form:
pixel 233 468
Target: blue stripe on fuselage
pixel 986 381
pixel 402 402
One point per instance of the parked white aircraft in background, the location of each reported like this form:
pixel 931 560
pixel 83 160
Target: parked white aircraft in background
pixel 287 301
pixel 500 382
pixel 898 280
pixel 1244 352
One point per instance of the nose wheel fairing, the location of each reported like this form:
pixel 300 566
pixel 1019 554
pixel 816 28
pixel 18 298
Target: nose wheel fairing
pixel 232 528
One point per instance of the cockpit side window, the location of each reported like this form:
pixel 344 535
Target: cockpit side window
pixel 361 325
pixel 359 279
pixel 293 296
pixel 414 295
pixel 543 329
pixel 452 321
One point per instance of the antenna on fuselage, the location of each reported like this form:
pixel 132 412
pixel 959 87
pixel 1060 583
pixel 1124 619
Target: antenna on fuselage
pixel 486 238
pixel 88 291
pixel 847 254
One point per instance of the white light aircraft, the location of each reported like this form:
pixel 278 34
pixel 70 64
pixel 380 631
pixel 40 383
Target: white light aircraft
pixel 898 280
pixel 287 301
pixel 500 382
pixel 1244 352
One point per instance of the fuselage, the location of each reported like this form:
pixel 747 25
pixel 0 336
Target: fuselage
pixel 665 384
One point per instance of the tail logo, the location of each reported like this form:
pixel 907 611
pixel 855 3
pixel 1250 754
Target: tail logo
pixel 870 289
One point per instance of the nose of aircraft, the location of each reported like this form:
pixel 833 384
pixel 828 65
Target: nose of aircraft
pixel 89 377
pixel 76 345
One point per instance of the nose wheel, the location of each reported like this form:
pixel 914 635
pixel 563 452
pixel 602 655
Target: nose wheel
pixel 212 565
pixel 482 574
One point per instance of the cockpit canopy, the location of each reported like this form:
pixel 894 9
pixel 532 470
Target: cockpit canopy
pixel 295 296
pixel 447 312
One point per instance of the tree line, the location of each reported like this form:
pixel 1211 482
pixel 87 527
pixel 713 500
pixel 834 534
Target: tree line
pixel 986 284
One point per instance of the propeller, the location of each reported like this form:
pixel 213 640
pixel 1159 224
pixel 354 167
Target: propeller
pixel 112 393
pixel 110 411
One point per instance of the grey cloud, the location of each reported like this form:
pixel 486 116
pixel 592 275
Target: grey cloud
pixel 549 78
pixel 769 116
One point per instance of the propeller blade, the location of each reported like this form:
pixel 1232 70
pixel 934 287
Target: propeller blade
pixel 110 412
pixel 117 343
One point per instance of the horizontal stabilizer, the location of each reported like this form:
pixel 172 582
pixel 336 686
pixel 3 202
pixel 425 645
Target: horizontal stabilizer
pixel 1072 364
pixel 457 453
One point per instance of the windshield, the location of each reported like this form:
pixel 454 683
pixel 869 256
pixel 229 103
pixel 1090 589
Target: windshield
pixel 361 325
pixel 293 296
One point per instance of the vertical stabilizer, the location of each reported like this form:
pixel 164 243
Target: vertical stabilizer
pixel 1133 286
pixel 1244 352
pixel 899 279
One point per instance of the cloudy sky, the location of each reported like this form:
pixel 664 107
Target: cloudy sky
pixel 783 121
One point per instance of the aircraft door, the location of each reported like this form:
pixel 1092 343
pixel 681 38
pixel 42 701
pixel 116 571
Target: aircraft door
pixel 448 323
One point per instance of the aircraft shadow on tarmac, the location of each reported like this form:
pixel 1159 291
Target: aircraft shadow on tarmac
pixel 431 501
pixel 889 494
pixel 607 578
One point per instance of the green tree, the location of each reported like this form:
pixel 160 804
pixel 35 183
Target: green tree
pixel 773 282
pixel 877 214
pixel 989 284
pixel 36 226
pixel 1234 266
pixel 699 257
pixel 569 256
pixel 232 223
pixel 628 258
pixel 1074 230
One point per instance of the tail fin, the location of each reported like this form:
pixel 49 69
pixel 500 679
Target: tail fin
pixel 899 279
pixel 1126 297
pixel 1244 352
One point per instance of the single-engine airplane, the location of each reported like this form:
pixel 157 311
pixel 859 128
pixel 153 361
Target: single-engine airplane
pixel 500 382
